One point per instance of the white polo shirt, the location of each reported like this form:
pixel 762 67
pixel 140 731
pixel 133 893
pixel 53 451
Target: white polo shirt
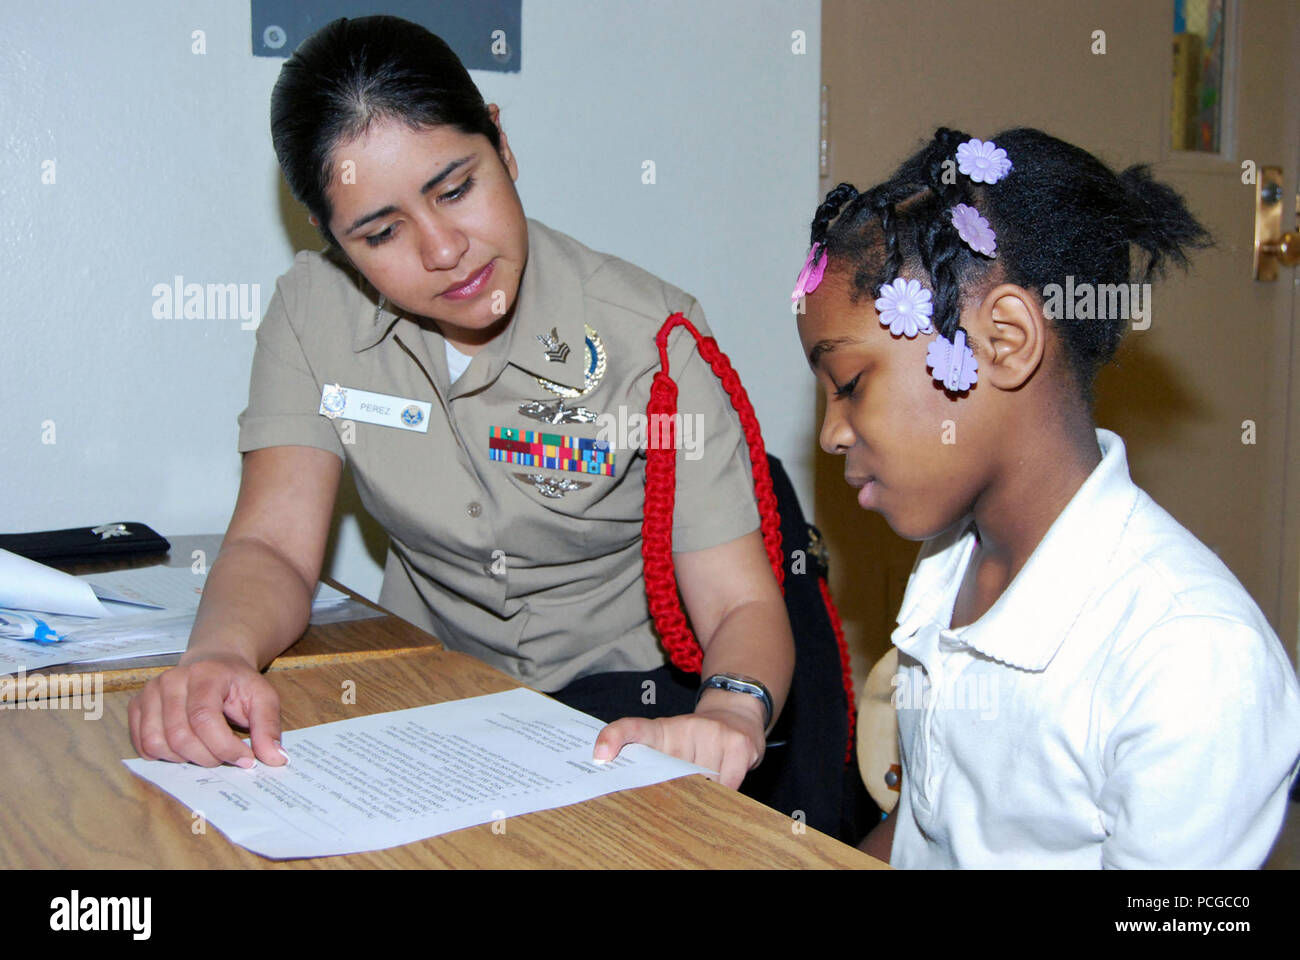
pixel 1124 703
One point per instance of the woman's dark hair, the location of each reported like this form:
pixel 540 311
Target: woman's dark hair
pixel 1060 212
pixel 350 73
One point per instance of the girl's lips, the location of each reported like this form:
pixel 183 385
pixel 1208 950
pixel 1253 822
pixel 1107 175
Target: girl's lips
pixel 473 286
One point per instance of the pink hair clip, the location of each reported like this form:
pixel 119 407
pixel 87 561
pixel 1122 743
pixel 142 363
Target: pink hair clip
pixel 953 362
pixel 974 230
pixel 810 277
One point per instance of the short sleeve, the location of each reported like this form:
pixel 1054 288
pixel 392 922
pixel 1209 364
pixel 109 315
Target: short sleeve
pixel 1199 759
pixel 715 501
pixel 283 396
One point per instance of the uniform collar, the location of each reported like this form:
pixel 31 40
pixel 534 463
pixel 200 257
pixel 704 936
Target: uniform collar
pixel 550 295
pixel 371 324
pixel 373 327
pixel 550 298
pixel 1026 626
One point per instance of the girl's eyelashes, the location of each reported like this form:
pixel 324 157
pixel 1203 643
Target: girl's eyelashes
pixel 848 388
pixel 451 196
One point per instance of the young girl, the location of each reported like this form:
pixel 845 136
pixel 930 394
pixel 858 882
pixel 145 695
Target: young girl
pixel 459 358
pixel 1081 682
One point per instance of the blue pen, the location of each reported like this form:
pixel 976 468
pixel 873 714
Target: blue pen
pixel 44 634
pixel 41 632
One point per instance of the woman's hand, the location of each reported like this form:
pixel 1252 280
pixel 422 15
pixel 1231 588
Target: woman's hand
pixel 181 714
pixel 256 602
pixel 736 608
pixel 726 737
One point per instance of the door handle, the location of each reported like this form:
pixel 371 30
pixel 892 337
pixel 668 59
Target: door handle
pixel 1272 245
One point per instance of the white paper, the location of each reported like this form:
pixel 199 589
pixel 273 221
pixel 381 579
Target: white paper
pixel 392 778
pixel 28 585
pixel 175 588
pixel 127 630
pixel 133 599
pixel 118 643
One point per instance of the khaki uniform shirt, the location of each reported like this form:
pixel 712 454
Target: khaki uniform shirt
pixel 545 588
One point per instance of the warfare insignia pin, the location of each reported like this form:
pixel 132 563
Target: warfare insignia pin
pixel 554 411
pixel 553 487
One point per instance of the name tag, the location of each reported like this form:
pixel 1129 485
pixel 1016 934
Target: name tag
pixel 353 404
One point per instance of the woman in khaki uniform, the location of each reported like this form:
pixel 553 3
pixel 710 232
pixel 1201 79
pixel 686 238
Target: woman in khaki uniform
pixel 479 372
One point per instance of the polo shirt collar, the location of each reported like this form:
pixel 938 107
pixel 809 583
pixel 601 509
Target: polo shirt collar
pixel 1027 625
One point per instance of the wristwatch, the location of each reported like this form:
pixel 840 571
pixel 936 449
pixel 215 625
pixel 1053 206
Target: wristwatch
pixel 741 684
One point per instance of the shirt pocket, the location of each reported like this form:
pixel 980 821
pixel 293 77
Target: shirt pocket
pixel 565 517
pixel 412 484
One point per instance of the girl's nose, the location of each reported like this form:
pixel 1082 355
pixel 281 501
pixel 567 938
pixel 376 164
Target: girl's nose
pixel 836 435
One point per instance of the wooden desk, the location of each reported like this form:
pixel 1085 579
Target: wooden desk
pixel 67 801
pixel 388 636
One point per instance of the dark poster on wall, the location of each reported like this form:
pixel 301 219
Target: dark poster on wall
pixel 484 33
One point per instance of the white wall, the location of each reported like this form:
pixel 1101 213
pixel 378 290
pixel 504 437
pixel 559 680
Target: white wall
pixel 164 167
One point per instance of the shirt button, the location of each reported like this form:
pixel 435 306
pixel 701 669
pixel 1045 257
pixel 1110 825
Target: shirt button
pixel 475 509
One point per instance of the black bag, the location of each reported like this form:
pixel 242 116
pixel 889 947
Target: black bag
pixel 78 544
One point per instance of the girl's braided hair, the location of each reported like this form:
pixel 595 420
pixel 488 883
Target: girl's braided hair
pixel 1059 213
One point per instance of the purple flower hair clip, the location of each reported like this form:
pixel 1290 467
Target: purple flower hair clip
pixel 953 362
pixel 810 277
pixel 983 162
pixel 905 308
pixel 974 230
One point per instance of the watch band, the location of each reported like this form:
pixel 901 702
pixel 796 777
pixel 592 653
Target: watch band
pixel 736 683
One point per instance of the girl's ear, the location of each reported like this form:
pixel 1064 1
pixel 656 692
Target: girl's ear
pixel 1012 329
